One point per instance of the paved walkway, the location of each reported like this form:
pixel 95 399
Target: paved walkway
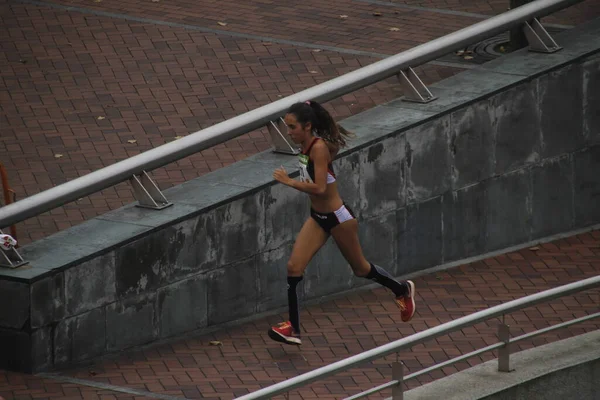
pixel 231 361
pixel 87 83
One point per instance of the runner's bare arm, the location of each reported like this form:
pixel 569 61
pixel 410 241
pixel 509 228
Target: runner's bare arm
pixel 320 156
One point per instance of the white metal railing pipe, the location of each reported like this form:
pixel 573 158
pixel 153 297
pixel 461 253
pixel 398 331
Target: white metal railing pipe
pixel 417 338
pixel 231 128
pixel 463 357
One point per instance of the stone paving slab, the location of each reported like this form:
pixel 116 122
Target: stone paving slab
pixel 87 83
pixel 245 359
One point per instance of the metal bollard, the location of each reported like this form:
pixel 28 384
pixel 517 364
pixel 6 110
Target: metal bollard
pixel 397 375
pixel 504 351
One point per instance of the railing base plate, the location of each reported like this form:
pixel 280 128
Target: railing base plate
pixel 147 193
pixel 281 144
pixel 11 258
pixel 415 89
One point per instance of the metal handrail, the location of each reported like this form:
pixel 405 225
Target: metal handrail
pixel 229 129
pixel 417 338
pixel 425 371
pixel 463 357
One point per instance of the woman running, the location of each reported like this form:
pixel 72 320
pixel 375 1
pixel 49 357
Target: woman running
pixel 320 137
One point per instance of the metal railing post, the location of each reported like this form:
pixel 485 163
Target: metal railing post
pixel 538 37
pixel 147 193
pixel 280 143
pixel 504 351
pixel 414 88
pixel 8 199
pixel 10 258
pixel 398 375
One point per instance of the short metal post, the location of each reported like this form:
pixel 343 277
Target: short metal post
pixel 281 144
pixel 11 258
pixel 414 88
pixel 504 351
pixel 539 39
pixel 147 192
pixel 517 36
pixel 397 375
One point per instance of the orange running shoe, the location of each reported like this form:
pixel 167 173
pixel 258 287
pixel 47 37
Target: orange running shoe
pixel 284 333
pixel 407 303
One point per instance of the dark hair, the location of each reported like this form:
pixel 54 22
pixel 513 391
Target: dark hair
pixel 323 124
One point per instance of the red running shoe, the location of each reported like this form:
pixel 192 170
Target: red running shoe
pixel 407 303
pixel 285 334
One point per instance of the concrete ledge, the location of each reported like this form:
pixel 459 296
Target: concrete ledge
pixel 567 369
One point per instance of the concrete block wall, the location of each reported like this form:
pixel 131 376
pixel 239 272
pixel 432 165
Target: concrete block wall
pixel 509 152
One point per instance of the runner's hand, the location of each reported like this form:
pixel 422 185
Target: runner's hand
pixel 280 175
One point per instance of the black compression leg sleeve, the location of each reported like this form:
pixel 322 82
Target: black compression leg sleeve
pixel 381 276
pixel 293 302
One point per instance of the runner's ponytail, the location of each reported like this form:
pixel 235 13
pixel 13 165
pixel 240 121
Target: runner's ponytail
pixel 323 124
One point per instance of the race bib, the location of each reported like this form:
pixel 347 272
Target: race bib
pixel 303 165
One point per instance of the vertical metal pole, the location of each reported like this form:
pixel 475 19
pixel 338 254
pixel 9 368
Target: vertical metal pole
pixel 397 375
pixel 517 36
pixel 504 351
pixel 6 190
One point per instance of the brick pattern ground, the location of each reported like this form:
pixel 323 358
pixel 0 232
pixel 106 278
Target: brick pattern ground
pixel 348 24
pixel 247 360
pixel 80 91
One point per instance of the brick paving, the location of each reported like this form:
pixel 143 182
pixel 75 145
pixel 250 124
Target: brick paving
pixel 87 83
pixel 245 359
